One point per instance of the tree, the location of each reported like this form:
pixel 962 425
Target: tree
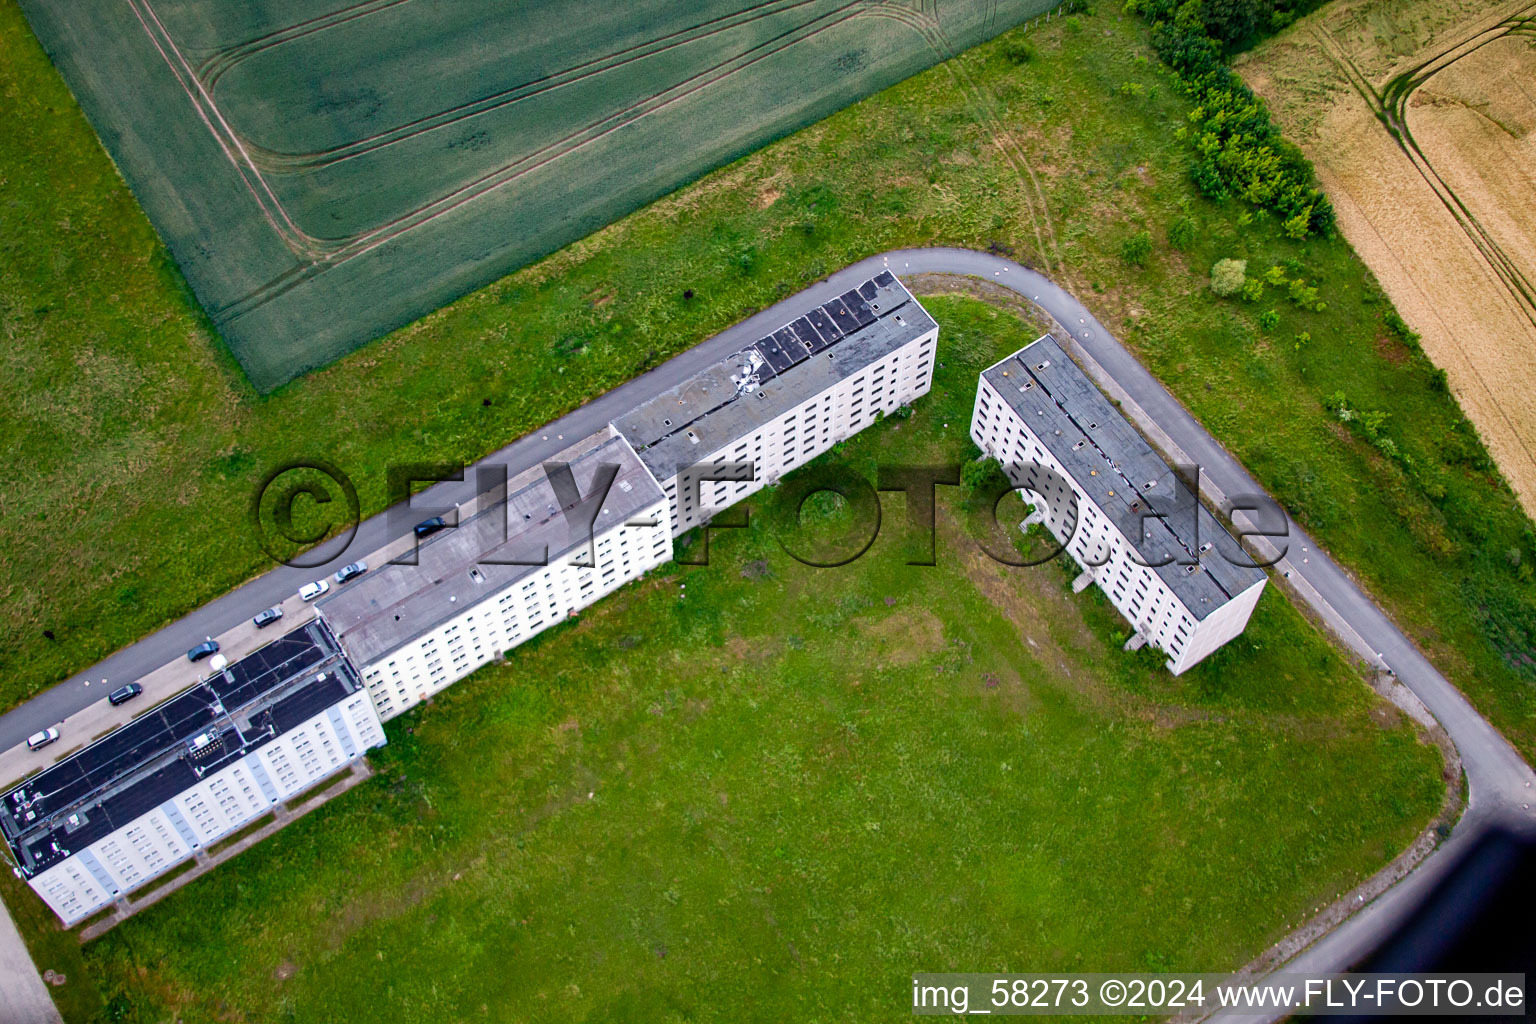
pixel 1137 249
pixel 1227 276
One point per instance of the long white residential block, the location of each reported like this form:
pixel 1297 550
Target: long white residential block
pixel 126 809
pixel 1176 575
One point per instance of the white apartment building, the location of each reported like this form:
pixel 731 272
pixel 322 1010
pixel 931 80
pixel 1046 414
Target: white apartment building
pixel 129 807
pixel 1179 578
pixel 512 570
pixel 153 793
pixel 784 399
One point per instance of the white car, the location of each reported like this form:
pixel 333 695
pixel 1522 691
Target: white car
pixel 42 739
pixel 310 591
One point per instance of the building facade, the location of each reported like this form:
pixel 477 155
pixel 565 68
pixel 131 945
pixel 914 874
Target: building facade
pixel 1176 575
pixel 556 544
pixel 126 809
pixel 744 422
pixel 129 807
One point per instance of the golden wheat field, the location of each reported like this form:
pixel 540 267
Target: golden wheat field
pixel 1419 115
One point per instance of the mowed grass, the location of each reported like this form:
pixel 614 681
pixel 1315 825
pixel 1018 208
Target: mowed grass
pixel 755 790
pixel 132 448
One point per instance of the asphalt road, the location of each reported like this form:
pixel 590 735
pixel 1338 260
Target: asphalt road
pixel 1499 783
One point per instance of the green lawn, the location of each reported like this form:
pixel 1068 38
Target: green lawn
pixel 758 791
pixel 132 447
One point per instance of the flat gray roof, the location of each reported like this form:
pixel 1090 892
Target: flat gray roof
pixel 728 401
pixel 391 605
pixel 170 748
pixel 1111 462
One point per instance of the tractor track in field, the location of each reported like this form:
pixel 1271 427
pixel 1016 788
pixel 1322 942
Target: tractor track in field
pixel 338 251
pixel 220 60
pixel 279 161
pixel 982 104
pixel 1390 107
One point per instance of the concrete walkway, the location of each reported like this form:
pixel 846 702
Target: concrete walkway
pixel 24 998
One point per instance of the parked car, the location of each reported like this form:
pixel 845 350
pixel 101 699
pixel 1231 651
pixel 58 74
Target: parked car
pixel 427 527
pixel 310 591
pixel 267 617
pixel 42 739
pixel 203 650
pixel 123 694
pixel 349 572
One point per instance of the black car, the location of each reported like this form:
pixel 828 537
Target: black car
pixel 267 617
pixel 123 694
pixel 427 527
pixel 203 650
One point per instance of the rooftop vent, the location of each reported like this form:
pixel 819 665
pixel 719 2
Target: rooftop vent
pixel 1190 569
pixel 475 575
pixel 1042 365
pixel 666 423
pixel 1093 426
pixel 692 437
pixel 1205 547
pixel 1078 445
pixel 1026 385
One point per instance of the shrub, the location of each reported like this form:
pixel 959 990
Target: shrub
pixel 1269 320
pixel 1227 276
pixel 1241 151
pixel 1253 290
pixel 1017 50
pixel 979 478
pixel 1137 249
pixel 1306 297
pixel 1399 329
pixel 1131 89
pixel 1181 234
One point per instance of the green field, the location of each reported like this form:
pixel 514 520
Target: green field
pixel 759 791
pixel 325 173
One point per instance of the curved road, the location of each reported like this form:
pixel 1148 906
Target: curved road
pixel 1499 783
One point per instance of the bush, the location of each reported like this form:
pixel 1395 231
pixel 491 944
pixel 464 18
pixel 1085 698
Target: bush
pixel 980 477
pixel 1227 276
pixel 1137 249
pixel 1017 50
pixel 1241 152
pixel 1399 329
pixel 1181 234
pixel 1253 290
pixel 1269 320
pixel 1306 297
